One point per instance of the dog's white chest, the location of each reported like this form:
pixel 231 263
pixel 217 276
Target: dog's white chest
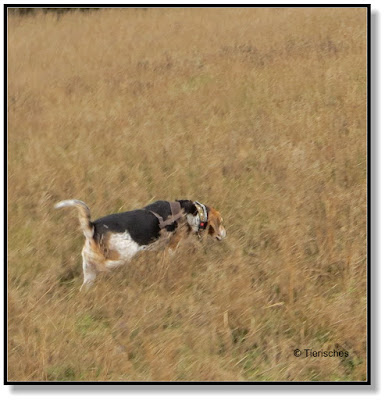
pixel 124 245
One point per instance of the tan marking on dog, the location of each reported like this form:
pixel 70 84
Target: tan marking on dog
pixel 215 222
pixel 181 233
pixel 106 249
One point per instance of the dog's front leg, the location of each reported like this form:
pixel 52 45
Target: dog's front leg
pixel 178 236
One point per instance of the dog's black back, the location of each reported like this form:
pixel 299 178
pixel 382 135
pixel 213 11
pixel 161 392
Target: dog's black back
pixel 142 225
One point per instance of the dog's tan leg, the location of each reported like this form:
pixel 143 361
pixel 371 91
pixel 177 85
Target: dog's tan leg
pixel 92 263
pixel 176 239
pixel 112 264
pixel 89 273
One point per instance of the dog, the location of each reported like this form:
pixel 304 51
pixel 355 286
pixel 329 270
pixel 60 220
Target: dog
pixel 113 240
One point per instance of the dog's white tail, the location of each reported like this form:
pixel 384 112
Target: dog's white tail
pixel 84 215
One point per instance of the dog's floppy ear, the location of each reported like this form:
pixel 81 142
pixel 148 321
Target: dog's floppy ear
pixel 188 206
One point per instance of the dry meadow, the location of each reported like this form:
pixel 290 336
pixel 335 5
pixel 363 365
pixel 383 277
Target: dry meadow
pixel 260 113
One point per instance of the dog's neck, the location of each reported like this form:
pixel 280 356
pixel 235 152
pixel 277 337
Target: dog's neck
pixel 192 214
pixel 193 221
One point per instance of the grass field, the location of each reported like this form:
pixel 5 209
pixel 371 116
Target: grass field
pixel 260 113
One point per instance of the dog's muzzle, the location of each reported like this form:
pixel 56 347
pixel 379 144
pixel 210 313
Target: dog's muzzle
pixel 222 234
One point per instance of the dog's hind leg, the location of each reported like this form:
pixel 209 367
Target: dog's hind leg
pixel 112 264
pixel 89 274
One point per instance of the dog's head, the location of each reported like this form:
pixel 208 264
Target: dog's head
pixel 202 218
pixel 215 227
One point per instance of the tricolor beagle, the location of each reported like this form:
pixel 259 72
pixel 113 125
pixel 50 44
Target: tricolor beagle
pixel 113 240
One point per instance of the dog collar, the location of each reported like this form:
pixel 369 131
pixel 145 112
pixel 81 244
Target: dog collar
pixel 203 215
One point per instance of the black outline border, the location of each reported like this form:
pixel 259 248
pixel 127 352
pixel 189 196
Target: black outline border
pixel 369 199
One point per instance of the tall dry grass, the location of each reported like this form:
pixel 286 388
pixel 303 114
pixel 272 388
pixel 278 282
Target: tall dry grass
pixel 260 113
